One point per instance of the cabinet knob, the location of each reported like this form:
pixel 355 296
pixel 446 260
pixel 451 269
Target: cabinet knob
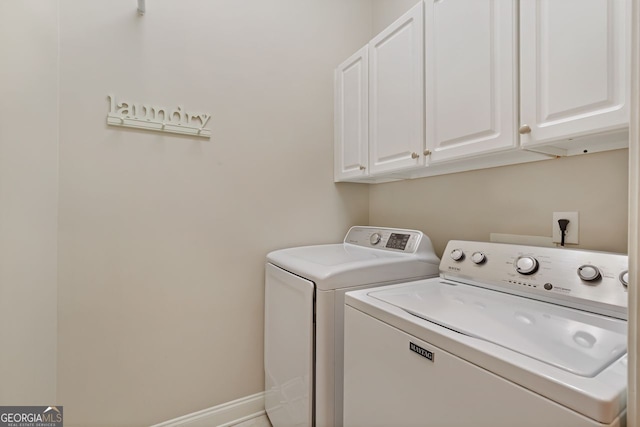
pixel 524 129
pixel 427 152
pixel 415 155
pixel 362 167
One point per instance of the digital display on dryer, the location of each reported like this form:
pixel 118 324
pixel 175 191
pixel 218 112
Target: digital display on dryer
pixel 397 241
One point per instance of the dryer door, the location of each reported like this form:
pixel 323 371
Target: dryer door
pixel 288 348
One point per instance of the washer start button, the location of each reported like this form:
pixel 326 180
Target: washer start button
pixel 548 286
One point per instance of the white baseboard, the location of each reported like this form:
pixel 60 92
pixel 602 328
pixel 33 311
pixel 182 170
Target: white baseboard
pixel 223 415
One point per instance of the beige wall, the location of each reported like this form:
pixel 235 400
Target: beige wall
pixel 28 201
pixel 163 238
pixel 515 199
pixel 386 11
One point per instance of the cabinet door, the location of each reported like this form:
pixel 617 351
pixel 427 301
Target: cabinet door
pixel 351 151
pixel 396 95
pixel 471 103
pixel 573 68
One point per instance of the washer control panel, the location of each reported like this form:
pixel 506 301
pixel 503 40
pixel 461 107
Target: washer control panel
pixel 391 239
pixel 588 280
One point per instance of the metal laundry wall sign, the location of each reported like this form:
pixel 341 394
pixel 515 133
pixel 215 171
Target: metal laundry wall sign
pixel 145 116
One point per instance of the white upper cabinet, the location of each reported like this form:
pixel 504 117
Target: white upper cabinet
pixel 574 70
pixel 471 86
pixel 351 151
pixel 457 85
pixel 396 95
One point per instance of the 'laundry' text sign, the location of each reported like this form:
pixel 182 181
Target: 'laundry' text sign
pixel 152 117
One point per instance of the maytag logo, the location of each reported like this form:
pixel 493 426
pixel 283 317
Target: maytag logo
pixel 421 351
pixel 454 268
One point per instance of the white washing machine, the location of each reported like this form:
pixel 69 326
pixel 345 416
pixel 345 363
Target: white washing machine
pixel 506 336
pixel 304 312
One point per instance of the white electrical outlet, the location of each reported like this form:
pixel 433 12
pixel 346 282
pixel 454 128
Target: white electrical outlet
pixel 572 229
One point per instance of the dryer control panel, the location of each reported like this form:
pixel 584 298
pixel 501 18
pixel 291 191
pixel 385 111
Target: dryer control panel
pixel 390 239
pixel 587 280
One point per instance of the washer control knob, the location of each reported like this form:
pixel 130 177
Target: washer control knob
pixel 375 238
pixel 457 255
pixel 624 278
pixel 526 265
pixel 588 273
pixel 478 258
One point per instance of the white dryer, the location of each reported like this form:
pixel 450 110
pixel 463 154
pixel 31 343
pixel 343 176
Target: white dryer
pixel 507 336
pixel 304 312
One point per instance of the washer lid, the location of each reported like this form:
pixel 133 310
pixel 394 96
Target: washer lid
pixel 576 341
pixel 337 266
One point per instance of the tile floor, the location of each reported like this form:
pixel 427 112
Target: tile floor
pixel 261 421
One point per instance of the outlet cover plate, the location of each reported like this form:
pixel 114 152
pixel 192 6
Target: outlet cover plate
pixel 572 229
